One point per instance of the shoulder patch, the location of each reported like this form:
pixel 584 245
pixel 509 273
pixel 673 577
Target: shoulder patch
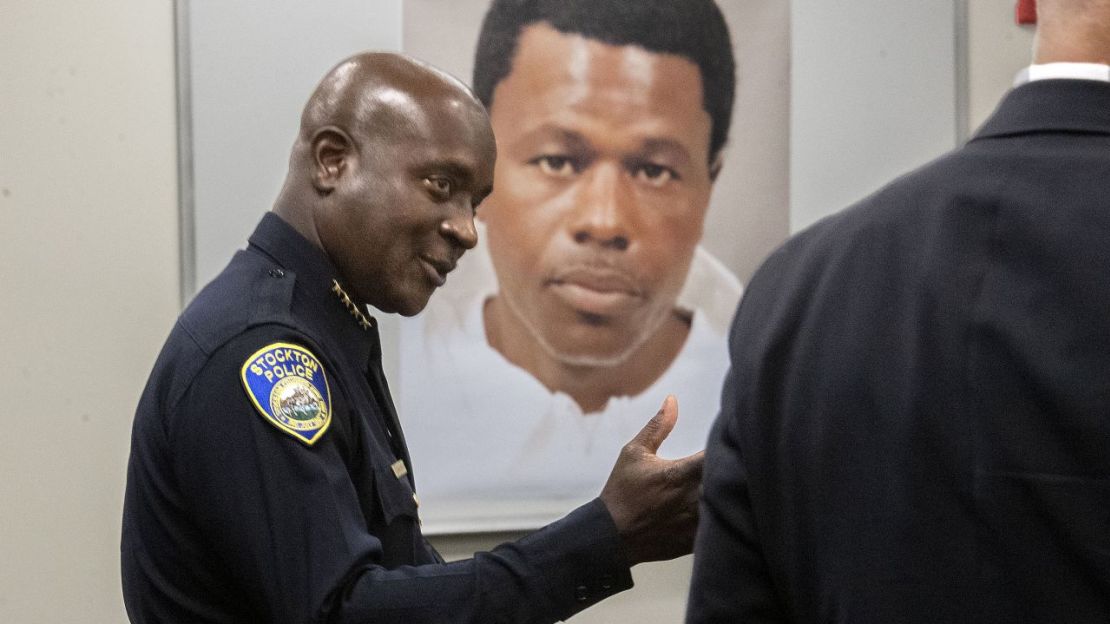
pixel 287 384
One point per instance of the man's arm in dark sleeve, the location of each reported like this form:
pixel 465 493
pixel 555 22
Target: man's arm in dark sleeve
pixel 731 581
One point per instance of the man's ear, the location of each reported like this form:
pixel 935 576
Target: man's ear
pixel 715 165
pixel 333 153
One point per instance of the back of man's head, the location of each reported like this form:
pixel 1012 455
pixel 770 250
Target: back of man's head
pixel 1073 31
pixel 693 29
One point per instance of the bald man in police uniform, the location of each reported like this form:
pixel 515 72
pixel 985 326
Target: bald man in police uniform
pixel 269 479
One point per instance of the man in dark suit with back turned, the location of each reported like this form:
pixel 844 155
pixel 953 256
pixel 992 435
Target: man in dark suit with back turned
pixel 916 426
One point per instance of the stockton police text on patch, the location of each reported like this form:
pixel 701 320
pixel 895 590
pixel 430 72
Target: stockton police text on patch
pixel 287 384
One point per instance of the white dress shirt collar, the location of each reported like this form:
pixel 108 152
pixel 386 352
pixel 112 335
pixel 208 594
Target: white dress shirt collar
pixel 1075 71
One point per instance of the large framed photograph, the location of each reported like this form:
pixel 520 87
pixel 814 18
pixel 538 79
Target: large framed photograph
pixel 641 176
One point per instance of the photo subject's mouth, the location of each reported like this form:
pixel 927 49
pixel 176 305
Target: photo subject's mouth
pixel 600 291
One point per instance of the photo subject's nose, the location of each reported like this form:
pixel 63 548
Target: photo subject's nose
pixel 601 213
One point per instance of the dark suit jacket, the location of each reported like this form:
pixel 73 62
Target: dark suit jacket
pixel 916 425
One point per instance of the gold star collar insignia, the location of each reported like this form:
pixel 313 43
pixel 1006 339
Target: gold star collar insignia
pixel 364 321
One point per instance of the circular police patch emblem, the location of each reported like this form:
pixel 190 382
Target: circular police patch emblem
pixel 287 384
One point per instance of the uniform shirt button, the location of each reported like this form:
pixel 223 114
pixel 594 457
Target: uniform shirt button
pixel 606 582
pixel 581 593
pixel 277 273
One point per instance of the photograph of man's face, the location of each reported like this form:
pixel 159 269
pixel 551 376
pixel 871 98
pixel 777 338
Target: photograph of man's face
pixel 602 184
pixel 592 293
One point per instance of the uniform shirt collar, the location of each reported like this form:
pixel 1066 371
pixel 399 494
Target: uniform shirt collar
pixel 1075 71
pixel 313 293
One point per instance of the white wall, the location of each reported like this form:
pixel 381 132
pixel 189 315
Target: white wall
pixel 997 49
pixel 877 90
pixel 254 64
pixel 873 94
pixel 88 286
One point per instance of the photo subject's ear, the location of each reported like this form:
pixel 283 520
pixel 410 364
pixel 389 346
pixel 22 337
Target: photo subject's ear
pixel 716 164
pixel 332 150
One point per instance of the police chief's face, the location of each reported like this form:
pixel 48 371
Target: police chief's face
pixel 405 212
pixel 600 193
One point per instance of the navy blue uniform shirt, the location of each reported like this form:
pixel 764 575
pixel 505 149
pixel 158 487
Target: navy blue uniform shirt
pixel 229 517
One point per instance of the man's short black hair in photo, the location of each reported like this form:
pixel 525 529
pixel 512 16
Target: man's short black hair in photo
pixel 693 29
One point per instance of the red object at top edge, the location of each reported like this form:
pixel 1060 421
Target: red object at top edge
pixel 1026 12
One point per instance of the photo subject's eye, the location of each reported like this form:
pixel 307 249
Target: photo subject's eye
pixel 653 175
pixel 556 166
